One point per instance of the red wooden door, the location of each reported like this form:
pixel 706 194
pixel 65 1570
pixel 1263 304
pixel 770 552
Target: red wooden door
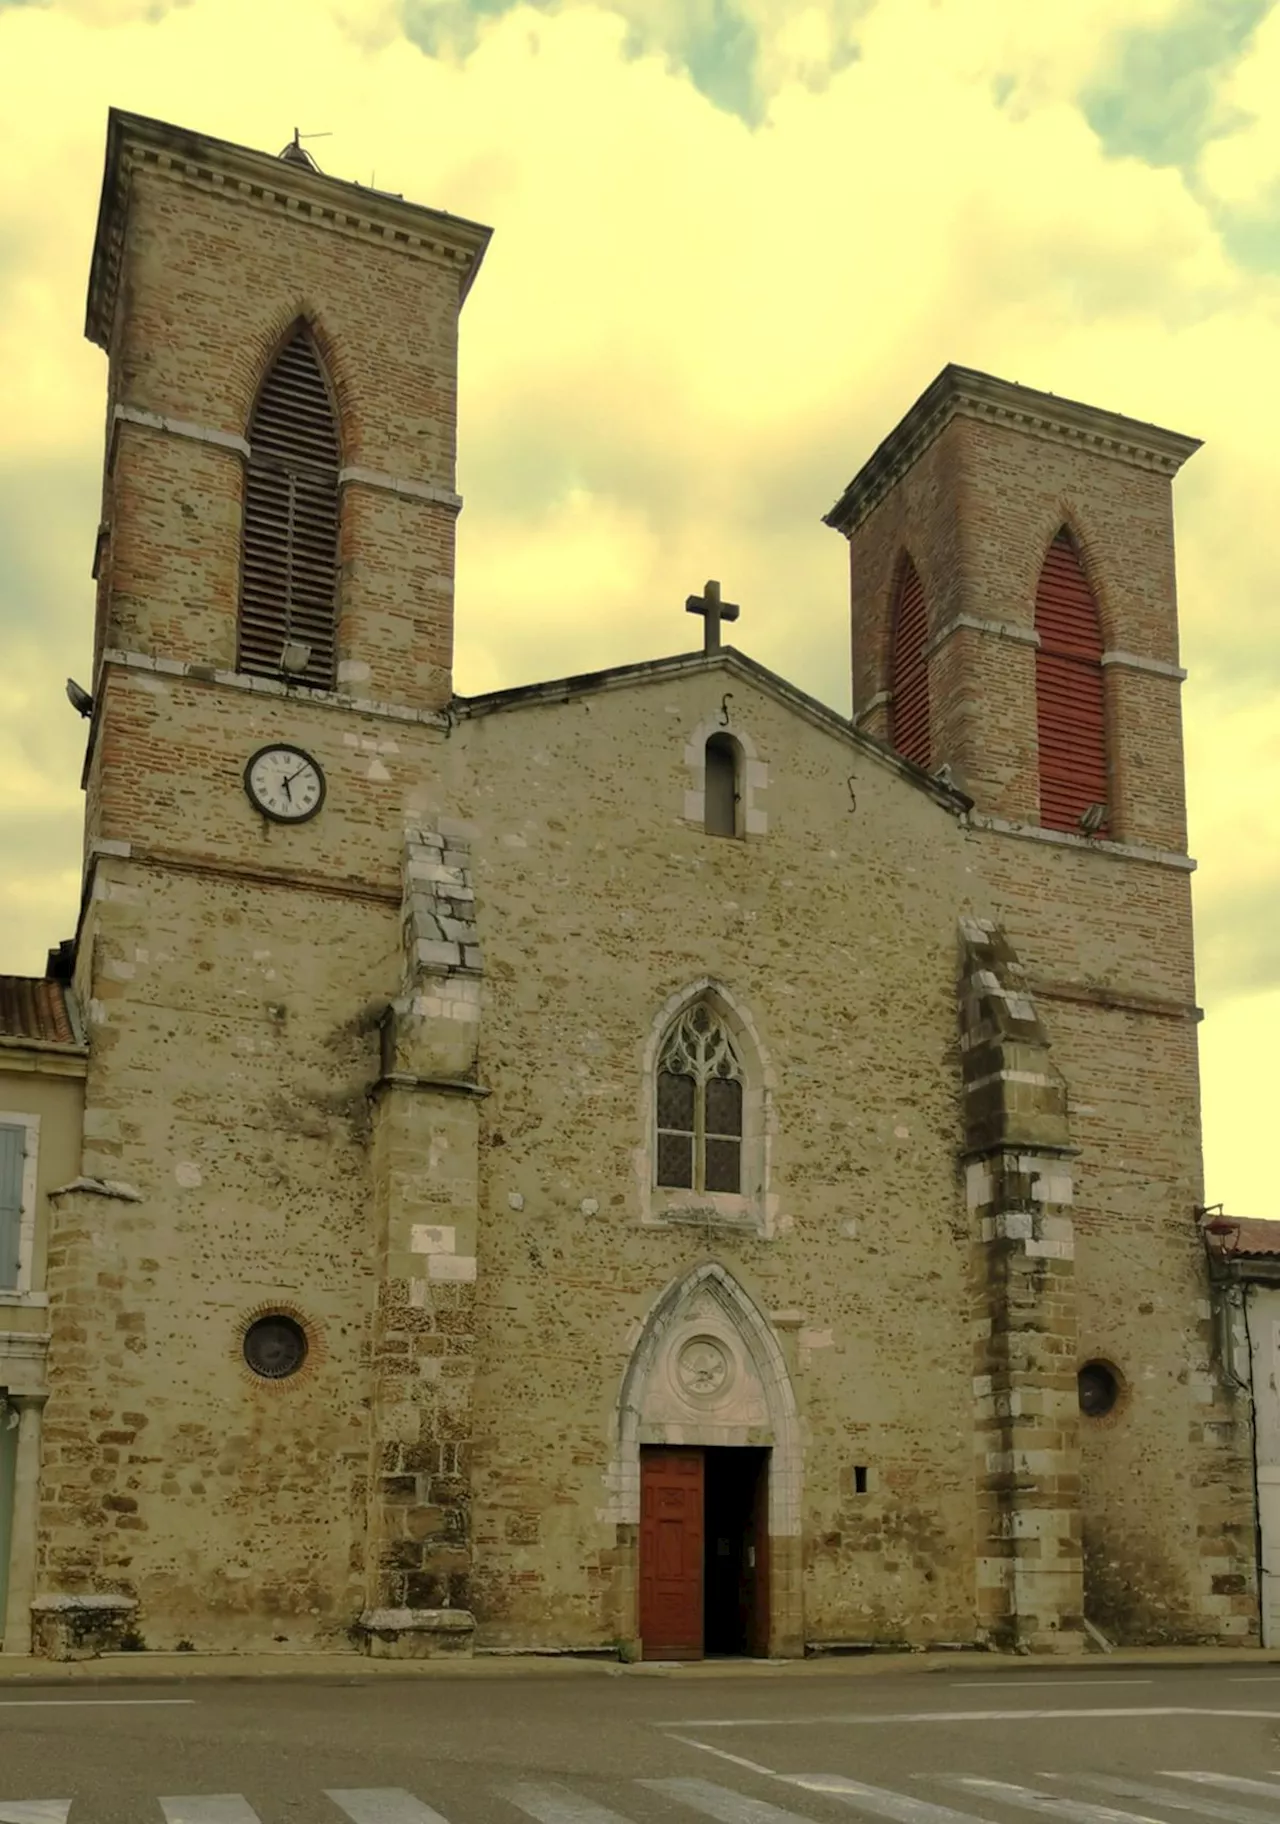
pixel 671 1553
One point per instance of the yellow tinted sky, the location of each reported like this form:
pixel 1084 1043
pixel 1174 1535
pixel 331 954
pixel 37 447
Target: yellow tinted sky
pixel 732 243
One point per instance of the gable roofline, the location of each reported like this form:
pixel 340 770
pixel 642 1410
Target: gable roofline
pixel 259 177
pixel 735 664
pixel 966 392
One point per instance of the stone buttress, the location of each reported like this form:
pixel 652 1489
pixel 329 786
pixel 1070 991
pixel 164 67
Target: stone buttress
pixel 1017 1153
pixel 426 1122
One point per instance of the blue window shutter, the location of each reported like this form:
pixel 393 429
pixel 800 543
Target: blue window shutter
pixel 13 1152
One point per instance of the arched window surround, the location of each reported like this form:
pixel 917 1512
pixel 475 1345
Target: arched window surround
pixel 298 494
pixel 753 1207
pixel 752 781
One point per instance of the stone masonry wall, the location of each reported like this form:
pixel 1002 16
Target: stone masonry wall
pixel 838 937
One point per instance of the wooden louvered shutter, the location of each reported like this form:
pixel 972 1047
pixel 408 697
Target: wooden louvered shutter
pixel 1070 713
pixel 289 573
pixel 13 1155
pixel 909 669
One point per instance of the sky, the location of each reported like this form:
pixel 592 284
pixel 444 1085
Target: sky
pixel 734 239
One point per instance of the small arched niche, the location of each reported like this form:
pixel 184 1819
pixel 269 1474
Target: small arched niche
pixel 723 786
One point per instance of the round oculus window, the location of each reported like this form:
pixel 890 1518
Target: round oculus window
pixel 275 1347
pixel 1099 1389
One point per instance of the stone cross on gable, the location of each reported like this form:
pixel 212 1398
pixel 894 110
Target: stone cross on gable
pixel 713 611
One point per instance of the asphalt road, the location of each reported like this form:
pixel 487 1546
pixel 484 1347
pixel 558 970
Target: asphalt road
pixel 1107 1747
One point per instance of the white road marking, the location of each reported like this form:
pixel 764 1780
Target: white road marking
pixel 85 1703
pixel 722 1754
pixel 720 1802
pixel 34 1811
pixel 210 1808
pixel 896 1805
pixel 1084 1681
pixel 1027 1799
pixel 1234 1781
pixel 1162 1795
pixel 383 1805
pixel 557 1805
pixel 954 1716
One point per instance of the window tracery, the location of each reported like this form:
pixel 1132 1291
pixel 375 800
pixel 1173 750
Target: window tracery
pixel 699 1105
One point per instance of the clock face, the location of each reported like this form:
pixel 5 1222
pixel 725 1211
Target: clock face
pixel 284 783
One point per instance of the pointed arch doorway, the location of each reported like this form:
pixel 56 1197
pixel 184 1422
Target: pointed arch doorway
pixel 707 1480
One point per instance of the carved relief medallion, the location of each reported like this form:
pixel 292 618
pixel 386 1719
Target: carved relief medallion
pixel 703 1368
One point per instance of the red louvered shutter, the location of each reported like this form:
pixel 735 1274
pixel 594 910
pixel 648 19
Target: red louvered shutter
pixel 909 669
pixel 1070 714
pixel 289 567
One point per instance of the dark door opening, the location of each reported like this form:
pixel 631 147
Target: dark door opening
pixel 736 1540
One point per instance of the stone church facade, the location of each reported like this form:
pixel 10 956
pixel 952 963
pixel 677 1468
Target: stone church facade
pixel 635 1163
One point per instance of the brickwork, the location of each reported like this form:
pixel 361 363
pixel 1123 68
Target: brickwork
pixel 214 273
pixel 978 507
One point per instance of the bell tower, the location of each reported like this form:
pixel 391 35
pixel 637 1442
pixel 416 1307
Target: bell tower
pixel 281 416
pixel 1014 609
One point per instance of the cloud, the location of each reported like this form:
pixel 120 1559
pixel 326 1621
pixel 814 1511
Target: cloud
pixel 732 245
pixel 1242 167
pixel 1164 97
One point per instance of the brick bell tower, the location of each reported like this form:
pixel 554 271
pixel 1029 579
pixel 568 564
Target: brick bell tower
pixel 1014 621
pixel 268 1150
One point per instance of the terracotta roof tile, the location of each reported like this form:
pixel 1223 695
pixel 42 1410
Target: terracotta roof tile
pixel 1253 1235
pixel 32 1007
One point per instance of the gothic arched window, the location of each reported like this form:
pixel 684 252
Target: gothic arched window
pixel 699 1105
pixel 909 667
pixel 1070 705
pixel 289 554
pixel 722 795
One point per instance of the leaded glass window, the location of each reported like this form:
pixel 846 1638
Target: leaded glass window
pixel 699 1105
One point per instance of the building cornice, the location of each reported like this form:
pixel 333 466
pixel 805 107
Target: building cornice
pixel 259 180
pixel 964 392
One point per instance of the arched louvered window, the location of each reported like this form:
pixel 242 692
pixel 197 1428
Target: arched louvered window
pixel 1070 715
pixel 289 562
pixel 909 668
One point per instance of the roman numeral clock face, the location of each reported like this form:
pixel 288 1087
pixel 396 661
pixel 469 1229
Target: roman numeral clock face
pixel 284 783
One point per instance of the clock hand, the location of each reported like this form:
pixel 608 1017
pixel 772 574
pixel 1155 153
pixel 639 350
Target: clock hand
pixel 285 783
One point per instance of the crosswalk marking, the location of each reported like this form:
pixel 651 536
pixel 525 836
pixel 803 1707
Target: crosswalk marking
pixel 729 1807
pixel 1236 1782
pixel 720 1802
pixel 900 1806
pixel 210 1808
pixel 1165 1796
pixel 557 1805
pixel 1052 1804
pixel 383 1805
pixel 34 1811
